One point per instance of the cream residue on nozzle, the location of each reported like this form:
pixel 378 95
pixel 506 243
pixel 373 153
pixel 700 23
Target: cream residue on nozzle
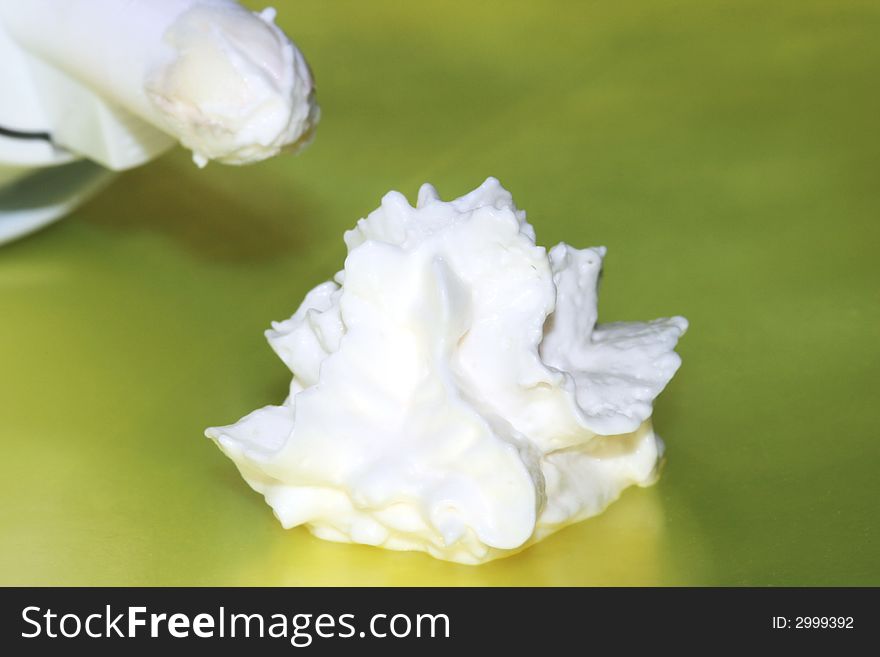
pixel 452 391
pixel 234 88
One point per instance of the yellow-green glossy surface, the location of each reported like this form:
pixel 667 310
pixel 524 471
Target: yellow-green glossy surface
pixel 727 155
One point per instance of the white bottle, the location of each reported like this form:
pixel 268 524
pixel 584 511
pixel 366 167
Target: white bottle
pixel 91 87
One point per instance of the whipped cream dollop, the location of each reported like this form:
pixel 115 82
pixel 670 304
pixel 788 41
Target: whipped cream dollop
pixel 452 391
pixel 234 88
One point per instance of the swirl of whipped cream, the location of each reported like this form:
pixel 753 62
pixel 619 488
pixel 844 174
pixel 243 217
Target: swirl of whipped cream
pixel 451 389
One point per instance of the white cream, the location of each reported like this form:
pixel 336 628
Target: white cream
pixel 451 390
pixel 235 89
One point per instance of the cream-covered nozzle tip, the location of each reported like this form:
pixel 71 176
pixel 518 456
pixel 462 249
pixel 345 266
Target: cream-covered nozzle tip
pixel 232 87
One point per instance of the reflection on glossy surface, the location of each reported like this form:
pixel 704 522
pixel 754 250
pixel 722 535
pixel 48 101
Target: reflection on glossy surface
pixel 733 180
pixel 623 546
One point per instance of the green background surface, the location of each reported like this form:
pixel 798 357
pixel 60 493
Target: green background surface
pixel 725 153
